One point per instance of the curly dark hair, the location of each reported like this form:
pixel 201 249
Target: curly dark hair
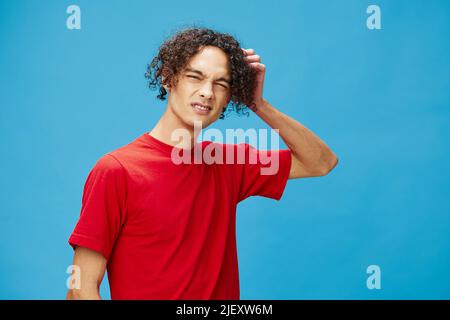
pixel 174 54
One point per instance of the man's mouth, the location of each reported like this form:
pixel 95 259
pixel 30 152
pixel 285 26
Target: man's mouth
pixel 201 108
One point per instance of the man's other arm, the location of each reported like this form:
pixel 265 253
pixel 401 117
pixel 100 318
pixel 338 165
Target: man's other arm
pixel 92 270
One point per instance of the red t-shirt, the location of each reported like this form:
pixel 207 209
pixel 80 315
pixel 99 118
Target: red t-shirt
pixel 168 230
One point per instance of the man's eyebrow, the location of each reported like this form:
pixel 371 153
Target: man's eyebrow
pixel 201 74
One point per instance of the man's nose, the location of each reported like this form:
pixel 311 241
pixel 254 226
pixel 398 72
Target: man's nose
pixel 206 91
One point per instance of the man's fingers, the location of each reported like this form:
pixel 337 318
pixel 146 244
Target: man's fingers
pixel 253 58
pixel 259 66
pixel 248 52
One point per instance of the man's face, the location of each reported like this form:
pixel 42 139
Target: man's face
pixel 205 81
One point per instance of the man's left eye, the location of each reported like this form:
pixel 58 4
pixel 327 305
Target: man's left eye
pixel 197 78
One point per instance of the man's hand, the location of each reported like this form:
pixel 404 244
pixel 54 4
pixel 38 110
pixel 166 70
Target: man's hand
pixel 254 61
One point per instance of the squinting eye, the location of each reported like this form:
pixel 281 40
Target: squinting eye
pixel 197 78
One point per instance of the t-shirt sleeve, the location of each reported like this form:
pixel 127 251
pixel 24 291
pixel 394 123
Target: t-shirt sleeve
pixel 264 173
pixel 103 207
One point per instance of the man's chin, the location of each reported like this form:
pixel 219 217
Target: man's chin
pixel 199 122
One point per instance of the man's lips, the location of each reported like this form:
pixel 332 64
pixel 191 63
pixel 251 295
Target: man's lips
pixel 201 105
pixel 201 108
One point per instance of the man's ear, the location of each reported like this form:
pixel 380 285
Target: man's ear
pixel 165 86
pixel 163 78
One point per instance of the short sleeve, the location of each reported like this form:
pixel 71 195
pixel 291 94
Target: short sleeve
pixel 264 173
pixel 103 207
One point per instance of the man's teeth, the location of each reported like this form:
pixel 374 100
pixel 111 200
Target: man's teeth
pixel 201 107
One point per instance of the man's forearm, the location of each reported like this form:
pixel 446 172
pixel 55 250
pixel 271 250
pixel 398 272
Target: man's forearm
pixel 83 295
pixel 311 153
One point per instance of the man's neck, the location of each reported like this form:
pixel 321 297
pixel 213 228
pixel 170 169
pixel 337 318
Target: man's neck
pixel 167 125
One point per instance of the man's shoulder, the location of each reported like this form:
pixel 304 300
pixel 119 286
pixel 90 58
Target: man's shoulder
pixel 122 154
pixel 108 163
pixel 114 159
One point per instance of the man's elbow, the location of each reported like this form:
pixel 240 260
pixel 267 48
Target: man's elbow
pixel 330 166
pixel 326 167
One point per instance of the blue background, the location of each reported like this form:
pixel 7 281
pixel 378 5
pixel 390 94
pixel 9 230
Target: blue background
pixel 378 98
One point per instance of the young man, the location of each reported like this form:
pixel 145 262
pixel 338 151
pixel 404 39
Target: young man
pixel 166 230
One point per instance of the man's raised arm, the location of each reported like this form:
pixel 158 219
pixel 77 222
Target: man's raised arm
pixel 311 157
